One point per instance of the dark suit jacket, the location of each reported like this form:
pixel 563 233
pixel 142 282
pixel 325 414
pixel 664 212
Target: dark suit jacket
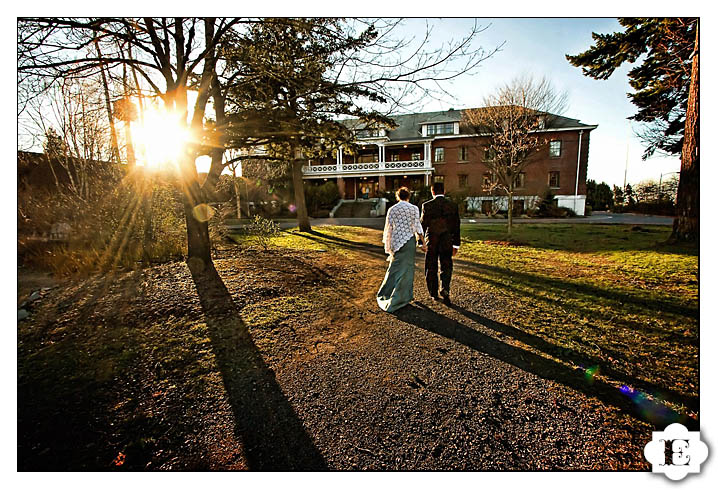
pixel 441 223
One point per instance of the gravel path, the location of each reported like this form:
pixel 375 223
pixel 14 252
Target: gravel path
pixel 435 387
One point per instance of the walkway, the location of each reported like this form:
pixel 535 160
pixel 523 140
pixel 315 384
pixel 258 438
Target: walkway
pixel 596 218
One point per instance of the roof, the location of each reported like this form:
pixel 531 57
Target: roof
pixel 409 125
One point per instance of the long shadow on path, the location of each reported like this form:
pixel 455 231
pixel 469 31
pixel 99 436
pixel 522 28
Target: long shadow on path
pixel 643 408
pixel 273 436
pixel 578 358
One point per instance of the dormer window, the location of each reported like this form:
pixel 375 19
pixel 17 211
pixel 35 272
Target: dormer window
pixel 439 128
pixel 368 133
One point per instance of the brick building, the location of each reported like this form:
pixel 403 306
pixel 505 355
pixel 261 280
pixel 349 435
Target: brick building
pixel 431 146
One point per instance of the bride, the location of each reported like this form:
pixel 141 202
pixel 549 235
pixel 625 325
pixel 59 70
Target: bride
pixel 401 231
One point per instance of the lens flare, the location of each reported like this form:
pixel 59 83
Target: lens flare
pixel 650 406
pixel 292 208
pixel 203 212
pixel 591 374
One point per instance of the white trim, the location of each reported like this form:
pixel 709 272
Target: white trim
pixel 578 169
pixel 406 142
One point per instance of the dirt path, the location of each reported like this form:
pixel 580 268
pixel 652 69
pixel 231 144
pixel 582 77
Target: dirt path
pixel 437 387
pixel 324 380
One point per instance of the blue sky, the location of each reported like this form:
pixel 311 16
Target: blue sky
pixel 537 46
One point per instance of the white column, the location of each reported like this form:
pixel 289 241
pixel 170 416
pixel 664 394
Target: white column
pixel 340 158
pixel 578 169
pixel 427 154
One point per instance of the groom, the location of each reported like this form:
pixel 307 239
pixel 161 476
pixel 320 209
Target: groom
pixel 440 221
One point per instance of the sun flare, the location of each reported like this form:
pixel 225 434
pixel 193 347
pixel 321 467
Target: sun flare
pixel 160 137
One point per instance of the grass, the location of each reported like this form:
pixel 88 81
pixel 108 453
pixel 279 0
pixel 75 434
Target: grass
pixel 617 295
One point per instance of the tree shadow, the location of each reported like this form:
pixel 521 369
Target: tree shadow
pixel 606 314
pixel 273 436
pixel 542 283
pixel 579 359
pixel 325 239
pixel 635 404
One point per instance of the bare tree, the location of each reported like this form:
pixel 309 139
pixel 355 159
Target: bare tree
pixel 514 121
pixel 75 134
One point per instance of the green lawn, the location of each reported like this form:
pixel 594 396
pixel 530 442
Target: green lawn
pixel 616 294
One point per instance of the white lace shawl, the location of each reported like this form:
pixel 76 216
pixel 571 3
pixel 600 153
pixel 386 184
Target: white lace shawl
pixel 402 222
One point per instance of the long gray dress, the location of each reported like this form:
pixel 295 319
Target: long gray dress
pixel 397 290
pixel 402 226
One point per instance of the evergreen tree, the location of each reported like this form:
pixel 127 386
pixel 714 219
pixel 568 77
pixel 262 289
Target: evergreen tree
pixel 618 195
pixel 603 197
pixel 665 87
pixel 290 99
pixel 660 82
pixel 591 193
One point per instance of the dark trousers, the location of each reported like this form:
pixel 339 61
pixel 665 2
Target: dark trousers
pixel 439 251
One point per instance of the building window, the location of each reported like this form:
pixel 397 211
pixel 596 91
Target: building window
pixel 439 178
pixel 463 153
pixel 520 180
pixel 489 154
pixel 395 157
pixel 441 128
pixel 553 179
pixel 438 154
pixel 368 133
pixel 416 156
pixel 554 149
pixel 463 180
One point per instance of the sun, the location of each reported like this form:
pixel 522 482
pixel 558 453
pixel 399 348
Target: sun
pixel 160 137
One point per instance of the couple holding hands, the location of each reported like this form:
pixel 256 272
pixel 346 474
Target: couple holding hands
pixel 437 230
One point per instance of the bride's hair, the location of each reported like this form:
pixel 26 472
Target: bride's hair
pixel 403 193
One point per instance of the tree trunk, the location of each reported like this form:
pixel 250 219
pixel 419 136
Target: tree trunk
pixel 197 214
pixel 300 201
pixel 685 224
pixel 113 134
pixel 237 191
pixel 510 210
pixel 198 245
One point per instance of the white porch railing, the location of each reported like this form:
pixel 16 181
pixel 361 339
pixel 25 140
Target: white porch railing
pixel 359 168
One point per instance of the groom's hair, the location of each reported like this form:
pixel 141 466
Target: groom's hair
pixel 403 193
pixel 437 187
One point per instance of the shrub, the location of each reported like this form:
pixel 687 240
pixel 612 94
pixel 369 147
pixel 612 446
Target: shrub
pixel 419 195
pixel 218 232
pixel 103 232
pixel 566 212
pixel 261 231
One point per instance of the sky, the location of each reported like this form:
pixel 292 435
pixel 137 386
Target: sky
pixel 537 46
